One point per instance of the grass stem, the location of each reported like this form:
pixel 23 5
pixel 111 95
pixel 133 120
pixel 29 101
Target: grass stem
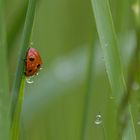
pixel 18 86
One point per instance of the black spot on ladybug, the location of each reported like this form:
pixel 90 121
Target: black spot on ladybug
pixel 31 59
pixel 38 65
pixel 30 71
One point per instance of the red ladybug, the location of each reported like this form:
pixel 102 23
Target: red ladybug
pixel 33 62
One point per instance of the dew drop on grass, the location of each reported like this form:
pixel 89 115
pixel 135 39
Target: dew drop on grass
pixel 98 119
pixel 29 80
pixel 39 70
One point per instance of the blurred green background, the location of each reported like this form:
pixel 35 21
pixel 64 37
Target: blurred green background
pixel 64 32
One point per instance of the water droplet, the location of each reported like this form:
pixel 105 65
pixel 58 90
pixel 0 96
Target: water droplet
pixel 40 68
pixel 29 80
pixel 98 119
pixel 37 73
pixel 135 86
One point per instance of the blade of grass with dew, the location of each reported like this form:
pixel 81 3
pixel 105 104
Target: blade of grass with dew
pixel 4 84
pixel 107 37
pixel 20 66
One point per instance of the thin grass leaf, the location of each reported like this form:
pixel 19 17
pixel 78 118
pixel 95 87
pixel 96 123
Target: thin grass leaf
pixel 16 26
pixel 4 83
pixel 107 37
pixel 16 119
pixel 88 91
pixel 17 94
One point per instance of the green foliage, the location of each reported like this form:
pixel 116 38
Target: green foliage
pixel 80 93
pixel 111 54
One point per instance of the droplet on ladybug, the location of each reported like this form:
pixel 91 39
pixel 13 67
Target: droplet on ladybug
pixel 33 62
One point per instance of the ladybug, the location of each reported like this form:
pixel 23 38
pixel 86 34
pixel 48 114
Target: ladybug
pixel 33 62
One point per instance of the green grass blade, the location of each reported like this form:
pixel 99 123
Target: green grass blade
pixel 107 37
pixel 22 51
pixel 18 86
pixel 109 45
pixel 88 91
pixel 15 27
pixel 4 84
pixel 16 120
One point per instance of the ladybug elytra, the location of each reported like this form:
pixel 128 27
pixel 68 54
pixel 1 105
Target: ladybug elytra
pixel 33 62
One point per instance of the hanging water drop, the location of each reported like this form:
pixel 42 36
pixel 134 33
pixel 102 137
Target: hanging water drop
pixel 98 119
pixel 29 80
